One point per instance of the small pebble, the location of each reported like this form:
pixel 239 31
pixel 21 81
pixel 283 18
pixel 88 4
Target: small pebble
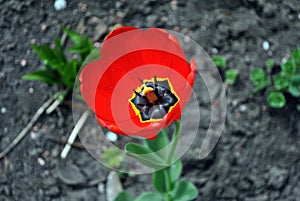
pixel 101 188
pixel 214 50
pixel 243 108
pixel 299 16
pixel 23 62
pixel 97 45
pixel 30 90
pixel 3 110
pixel 33 135
pixel 266 45
pixel 111 136
pixel 60 4
pixel 44 27
pixel 41 161
pixel 164 19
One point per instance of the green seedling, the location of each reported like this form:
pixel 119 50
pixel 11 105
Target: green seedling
pixel 287 80
pixel 219 61
pixel 58 70
pixel 230 74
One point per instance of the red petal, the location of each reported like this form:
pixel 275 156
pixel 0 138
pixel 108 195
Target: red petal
pixel 119 30
pixel 107 84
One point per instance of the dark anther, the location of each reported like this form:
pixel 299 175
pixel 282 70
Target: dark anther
pixel 158 107
pixel 155 81
pixel 138 94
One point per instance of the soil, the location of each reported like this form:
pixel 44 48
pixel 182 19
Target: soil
pixel 257 157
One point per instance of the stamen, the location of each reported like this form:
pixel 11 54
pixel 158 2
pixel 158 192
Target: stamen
pixel 138 94
pixel 155 81
pixel 141 80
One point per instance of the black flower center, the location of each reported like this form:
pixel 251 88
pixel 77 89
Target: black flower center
pixel 153 99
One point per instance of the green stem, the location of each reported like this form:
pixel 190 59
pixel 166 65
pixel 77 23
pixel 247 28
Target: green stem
pixel 174 142
pixel 167 179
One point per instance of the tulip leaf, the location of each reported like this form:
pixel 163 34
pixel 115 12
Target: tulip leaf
pixel 46 76
pixel 158 181
pixel 124 196
pixel 149 196
pixel 184 191
pixel 159 142
pixel 144 155
pixel 173 172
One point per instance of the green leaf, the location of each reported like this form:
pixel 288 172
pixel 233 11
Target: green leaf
pixel 124 196
pixel 69 74
pixel 74 36
pixel 144 155
pixel 259 78
pixel 42 75
pixel 231 76
pixel 298 107
pixel 175 171
pixel 295 56
pixel 184 191
pixel 270 64
pixel 219 61
pixel 158 177
pixel 158 180
pixel 294 87
pixel 88 43
pixel 276 100
pixel 289 68
pixel 58 50
pixel 281 82
pixel 149 196
pixel 47 56
pixel 159 142
pixel 79 50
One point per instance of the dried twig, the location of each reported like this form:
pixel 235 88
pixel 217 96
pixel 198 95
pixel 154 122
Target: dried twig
pixel 23 133
pixel 74 133
pixel 59 99
pixel 63 142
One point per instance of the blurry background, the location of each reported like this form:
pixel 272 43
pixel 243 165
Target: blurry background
pixel 257 157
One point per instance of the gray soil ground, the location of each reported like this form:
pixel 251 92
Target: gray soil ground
pixel 258 155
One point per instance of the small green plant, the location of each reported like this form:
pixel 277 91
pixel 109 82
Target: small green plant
pixel 219 61
pixel 166 182
pixel 230 74
pixel 112 157
pixel 58 69
pixel 286 81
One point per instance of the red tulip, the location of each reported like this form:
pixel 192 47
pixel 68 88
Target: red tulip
pixel 141 83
